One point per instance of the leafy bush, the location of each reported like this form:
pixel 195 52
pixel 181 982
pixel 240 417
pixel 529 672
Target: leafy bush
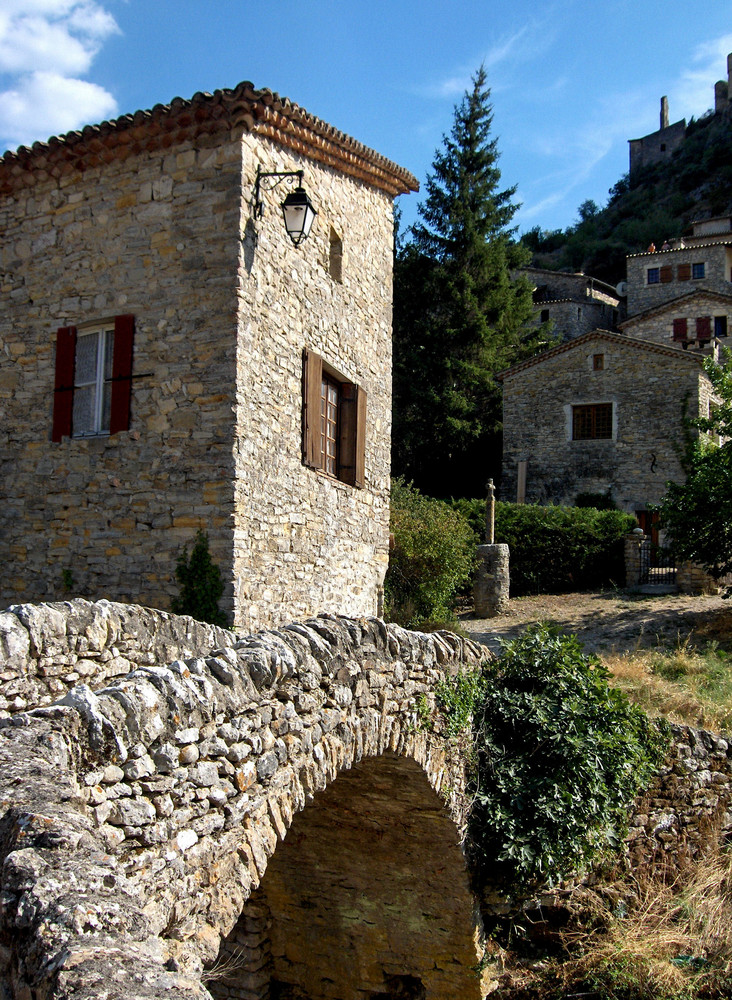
pixel 432 556
pixel 200 584
pixel 560 756
pixel 555 549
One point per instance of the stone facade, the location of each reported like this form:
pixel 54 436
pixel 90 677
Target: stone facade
pixel 646 388
pixel 145 824
pixel 700 312
pixel 151 216
pixel 574 303
pixel 660 277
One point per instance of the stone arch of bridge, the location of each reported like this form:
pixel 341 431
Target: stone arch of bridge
pixel 367 896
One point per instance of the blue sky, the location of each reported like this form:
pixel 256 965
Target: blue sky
pixel 571 80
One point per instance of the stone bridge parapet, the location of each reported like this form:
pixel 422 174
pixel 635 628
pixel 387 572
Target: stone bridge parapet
pixel 137 820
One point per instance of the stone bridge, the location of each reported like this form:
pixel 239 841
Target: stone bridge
pixel 252 818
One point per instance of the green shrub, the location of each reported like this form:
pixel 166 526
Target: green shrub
pixel 432 556
pixel 555 549
pixel 560 757
pixel 200 584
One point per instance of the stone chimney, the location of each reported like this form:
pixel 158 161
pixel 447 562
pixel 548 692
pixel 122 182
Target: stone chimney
pixel 664 112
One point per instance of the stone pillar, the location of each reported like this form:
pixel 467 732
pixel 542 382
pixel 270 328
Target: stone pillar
pixel 491 581
pixel 633 542
pixel 664 112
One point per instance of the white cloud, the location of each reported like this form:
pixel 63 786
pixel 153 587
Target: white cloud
pixel 46 46
pixel 44 104
pixel 693 93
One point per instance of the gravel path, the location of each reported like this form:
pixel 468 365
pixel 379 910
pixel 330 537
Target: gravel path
pixel 613 621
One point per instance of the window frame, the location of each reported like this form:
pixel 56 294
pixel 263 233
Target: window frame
pixel 67 338
pixel 350 465
pixel 102 379
pixel 653 276
pixel 580 411
pixel 698 271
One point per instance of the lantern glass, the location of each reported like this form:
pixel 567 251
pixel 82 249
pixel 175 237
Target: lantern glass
pixel 299 215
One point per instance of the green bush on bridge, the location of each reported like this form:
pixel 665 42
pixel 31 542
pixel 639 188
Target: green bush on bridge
pixel 555 549
pixel 558 758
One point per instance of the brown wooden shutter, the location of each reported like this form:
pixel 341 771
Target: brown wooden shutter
pixel 360 479
pixel 667 274
pixel 124 335
pixel 680 329
pixel 352 445
pixel 311 436
pixel 684 272
pixel 703 328
pixel 63 395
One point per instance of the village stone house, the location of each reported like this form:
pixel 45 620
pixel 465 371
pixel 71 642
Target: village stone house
pixel 574 303
pixel 600 414
pixel 169 361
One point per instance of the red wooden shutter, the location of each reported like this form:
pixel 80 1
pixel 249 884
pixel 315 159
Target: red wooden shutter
pixel 703 328
pixel 63 395
pixel 311 437
pixel 667 274
pixel 684 272
pixel 124 335
pixel 680 329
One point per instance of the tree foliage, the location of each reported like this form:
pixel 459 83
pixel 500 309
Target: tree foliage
pixel 697 514
pixel 560 757
pixel 459 315
pixel 200 583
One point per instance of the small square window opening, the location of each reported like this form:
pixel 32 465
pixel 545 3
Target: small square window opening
pixel 697 270
pixel 592 421
pixel 654 275
pixel 598 362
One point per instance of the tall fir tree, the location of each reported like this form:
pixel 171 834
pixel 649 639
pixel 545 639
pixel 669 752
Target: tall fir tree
pixel 459 315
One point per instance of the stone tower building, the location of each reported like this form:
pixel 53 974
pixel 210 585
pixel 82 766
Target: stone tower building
pixel 169 361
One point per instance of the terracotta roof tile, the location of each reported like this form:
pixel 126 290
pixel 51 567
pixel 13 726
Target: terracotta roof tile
pixel 260 111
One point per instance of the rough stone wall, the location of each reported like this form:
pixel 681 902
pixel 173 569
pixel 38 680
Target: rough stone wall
pixel 154 235
pixel 305 541
pixel 686 810
pixel 648 391
pixel 137 820
pixel 657 146
pixel 716 257
pixel 46 649
pixel 573 319
pixel 659 327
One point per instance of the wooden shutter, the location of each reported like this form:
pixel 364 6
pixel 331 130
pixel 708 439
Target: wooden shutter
pixel 703 328
pixel 124 335
pixel 63 395
pixel 684 272
pixel 667 274
pixel 352 443
pixel 680 329
pixel 311 437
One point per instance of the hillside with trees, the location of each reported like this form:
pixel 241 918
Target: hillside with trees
pixel 657 203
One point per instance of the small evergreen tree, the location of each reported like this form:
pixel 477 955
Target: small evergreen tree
pixel 200 584
pixel 459 315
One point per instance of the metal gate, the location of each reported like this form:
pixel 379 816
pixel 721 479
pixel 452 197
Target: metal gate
pixel 657 565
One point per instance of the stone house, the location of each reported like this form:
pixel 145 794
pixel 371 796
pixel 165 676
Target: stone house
pixel 599 414
pixel 170 361
pixel 574 303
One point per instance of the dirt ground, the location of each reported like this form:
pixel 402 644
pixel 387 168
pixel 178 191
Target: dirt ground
pixel 614 621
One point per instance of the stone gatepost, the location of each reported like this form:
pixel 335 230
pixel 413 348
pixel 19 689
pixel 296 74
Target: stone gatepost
pixel 633 543
pixel 491 581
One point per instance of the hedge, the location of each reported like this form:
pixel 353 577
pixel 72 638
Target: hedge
pixel 556 549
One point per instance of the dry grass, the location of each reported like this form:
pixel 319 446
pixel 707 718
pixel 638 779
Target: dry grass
pixel 675 940
pixel 684 684
pixel 639 939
